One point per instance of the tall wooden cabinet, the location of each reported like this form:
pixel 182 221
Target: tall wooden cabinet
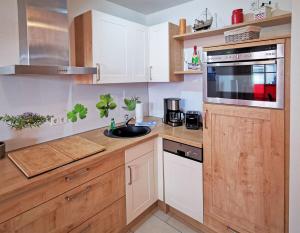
pixel 244 169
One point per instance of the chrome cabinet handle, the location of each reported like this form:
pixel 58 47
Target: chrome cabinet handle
pixel 150 73
pixel 76 174
pixel 98 66
pixel 205 119
pixel 243 63
pixel 72 197
pixel 130 175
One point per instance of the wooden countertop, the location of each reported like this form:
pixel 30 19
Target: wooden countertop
pixel 13 181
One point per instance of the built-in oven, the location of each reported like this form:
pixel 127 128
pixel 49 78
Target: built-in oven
pixel 252 76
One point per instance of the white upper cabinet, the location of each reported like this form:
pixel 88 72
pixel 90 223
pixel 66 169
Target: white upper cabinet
pixel 159 53
pixel 122 50
pixel 117 47
pixel 111 48
pixel 165 53
pixel 139 56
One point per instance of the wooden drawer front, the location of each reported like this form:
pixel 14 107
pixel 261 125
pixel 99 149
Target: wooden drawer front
pixel 69 210
pixel 139 150
pixel 112 220
pixel 78 175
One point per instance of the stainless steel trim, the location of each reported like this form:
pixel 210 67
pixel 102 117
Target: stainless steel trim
pixel 243 63
pixel 43 32
pixel 270 54
pixel 280 51
pixel 279 104
pixel 44 40
pixel 130 175
pixel 46 70
pixel 98 66
pixel 192 152
pixel 173 104
pixel 204 57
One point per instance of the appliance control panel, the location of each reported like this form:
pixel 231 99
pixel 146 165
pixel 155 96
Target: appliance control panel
pixel 245 54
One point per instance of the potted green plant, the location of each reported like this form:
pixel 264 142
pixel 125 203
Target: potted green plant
pixel 134 104
pixel 130 103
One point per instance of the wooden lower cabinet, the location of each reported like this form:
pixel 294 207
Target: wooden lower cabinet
pixel 112 220
pixel 244 169
pixel 140 180
pixel 29 198
pixel 69 210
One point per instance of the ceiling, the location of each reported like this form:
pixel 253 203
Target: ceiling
pixel 148 6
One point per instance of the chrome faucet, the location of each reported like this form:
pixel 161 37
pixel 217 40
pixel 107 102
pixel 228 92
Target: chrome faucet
pixel 127 120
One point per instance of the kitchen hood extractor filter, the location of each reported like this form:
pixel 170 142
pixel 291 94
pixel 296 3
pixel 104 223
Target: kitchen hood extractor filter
pixel 44 40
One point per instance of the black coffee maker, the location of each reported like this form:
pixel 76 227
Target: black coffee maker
pixel 172 114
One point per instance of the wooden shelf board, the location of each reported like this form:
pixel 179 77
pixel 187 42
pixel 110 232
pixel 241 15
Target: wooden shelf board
pixel 188 72
pixel 273 21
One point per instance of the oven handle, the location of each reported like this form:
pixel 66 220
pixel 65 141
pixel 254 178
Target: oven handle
pixel 247 63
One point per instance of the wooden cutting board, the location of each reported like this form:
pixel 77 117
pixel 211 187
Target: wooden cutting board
pixel 38 159
pixel 76 147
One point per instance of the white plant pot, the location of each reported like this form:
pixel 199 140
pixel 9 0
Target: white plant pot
pixel 139 112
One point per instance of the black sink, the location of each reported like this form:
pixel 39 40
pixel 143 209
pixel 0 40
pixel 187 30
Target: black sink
pixel 129 131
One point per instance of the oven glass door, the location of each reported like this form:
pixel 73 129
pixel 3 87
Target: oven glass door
pixel 246 81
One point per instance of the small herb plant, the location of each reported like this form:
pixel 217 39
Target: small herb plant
pixel 105 104
pixel 25 120
pixel 131 103
pixel 79 111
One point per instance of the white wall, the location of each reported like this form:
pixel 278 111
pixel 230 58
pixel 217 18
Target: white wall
pixel 295 123
pixel 54 95
pixel 9 37
pixel 77 7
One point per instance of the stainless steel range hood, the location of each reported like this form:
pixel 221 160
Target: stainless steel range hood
pixel 44 40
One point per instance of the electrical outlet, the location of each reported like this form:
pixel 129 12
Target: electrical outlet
pixel 63 120
pixel 58 120
pixel 54 121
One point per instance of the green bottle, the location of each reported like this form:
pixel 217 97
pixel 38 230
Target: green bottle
pixel 112 124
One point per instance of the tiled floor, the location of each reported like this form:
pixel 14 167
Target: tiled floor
pixel 160 222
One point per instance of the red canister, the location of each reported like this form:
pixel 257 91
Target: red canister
pixel 237 16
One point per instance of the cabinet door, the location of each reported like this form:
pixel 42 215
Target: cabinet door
pixel 110 48
pixel 140 192
pixel 159 53
pixel 112 220
pixel 244 169
pixel 72 208
pixel 139 53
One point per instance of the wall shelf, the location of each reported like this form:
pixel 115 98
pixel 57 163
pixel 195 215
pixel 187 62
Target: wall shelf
pixel 188 72
pixel 273 21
